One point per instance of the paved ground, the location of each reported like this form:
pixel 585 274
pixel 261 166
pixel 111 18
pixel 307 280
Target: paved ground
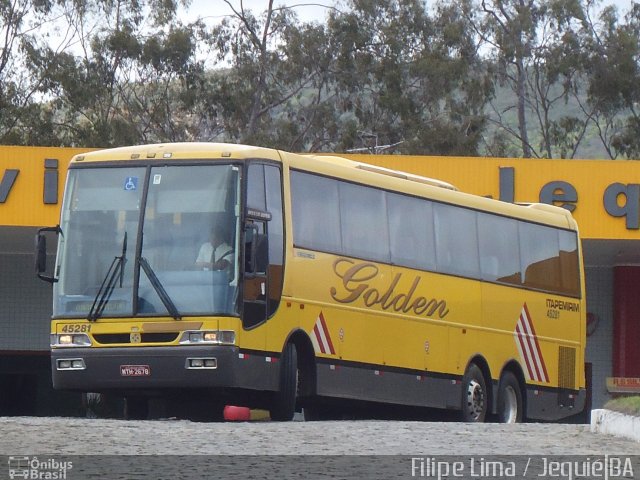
pixel 65 438
pixel 76 436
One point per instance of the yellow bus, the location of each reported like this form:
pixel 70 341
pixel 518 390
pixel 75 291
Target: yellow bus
pixel 242 274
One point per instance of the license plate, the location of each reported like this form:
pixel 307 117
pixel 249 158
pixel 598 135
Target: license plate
pixel 135 370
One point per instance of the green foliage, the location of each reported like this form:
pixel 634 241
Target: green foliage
pixel 408 79
pixel 627 405
pixel 614 80
pixel 543 78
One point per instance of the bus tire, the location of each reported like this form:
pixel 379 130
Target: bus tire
pixel 474 395
pixel 92 404
pixel 284 401
pixel 510 405
pixel 136 408
pixel 101 405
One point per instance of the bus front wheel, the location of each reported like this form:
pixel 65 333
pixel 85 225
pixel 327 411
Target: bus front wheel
pixel 509 399
pixel 284 401
pixel 474 395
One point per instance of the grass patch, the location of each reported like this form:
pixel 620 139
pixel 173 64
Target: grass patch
pixel 627 405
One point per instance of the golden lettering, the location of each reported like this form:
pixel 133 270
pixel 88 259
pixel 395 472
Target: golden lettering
pixel 349 277
pixel 419 305
pixel 355 281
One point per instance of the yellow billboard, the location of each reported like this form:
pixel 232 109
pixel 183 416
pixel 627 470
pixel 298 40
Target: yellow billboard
pixel 603 195
pixel 31 184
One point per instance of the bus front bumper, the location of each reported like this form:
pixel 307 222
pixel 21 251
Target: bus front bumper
pixel 210 366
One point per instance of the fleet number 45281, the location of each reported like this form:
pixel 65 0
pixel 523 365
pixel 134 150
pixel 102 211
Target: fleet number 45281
pixel 76 328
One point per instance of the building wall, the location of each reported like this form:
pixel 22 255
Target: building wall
pixel 25 305
pixel 626 326
pixel 600 341
pixel 25 314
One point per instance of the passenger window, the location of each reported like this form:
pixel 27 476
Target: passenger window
pixel 499 249
pixel 456 241
pixel 569 263
pixel 411 232
pixel 364 229
pixel 540 256
pixel 316 212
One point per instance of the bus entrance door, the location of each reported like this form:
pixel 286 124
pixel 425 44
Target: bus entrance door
pixel 255 278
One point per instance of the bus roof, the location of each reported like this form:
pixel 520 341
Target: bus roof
pixel 359 172
pixel 178 151
pixel 337 167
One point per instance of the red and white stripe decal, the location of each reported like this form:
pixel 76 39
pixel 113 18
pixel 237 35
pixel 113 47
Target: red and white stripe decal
pixel 320 337
pixel 529 348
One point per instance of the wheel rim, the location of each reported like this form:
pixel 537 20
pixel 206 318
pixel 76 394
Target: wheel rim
pixel 510 405
pixel 475 400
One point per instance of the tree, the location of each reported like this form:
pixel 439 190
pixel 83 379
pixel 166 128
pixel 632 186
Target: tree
pixel 413 82
pixel 614 81
pixel 555 76
pixel 273 89
pixel 24 26
pixel 117 86
pixel 537 49
pixel 510 28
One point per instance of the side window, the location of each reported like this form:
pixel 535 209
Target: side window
pixel 499 249
pixel 569 263
pixel 256 247
pixel 256 196
pixel 411 237
pixel 254 285
pixel 540 256
pixel 363 222
pixel 264 244
pixel 256 237
pixel 316 212
pixel 456 241
pixel 275 232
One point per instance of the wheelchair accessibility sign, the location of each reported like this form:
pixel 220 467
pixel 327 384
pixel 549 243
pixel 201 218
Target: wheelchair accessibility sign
pixel 131 184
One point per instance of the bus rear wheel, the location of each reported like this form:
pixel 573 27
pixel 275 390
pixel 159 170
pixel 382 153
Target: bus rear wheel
pixel 284 401
pixel 510 405
pixel 474 395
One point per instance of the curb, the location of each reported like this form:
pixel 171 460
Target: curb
pixel 614 423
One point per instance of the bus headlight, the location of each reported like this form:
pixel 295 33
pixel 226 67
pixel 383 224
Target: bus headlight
pixel 70 364
pixel 70 340
pixel 215 337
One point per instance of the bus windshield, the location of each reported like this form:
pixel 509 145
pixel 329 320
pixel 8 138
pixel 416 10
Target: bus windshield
pixel 149 241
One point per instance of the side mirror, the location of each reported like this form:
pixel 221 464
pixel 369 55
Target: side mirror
pixel 41 253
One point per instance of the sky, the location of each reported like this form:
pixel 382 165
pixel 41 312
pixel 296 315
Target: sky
pixel 307 10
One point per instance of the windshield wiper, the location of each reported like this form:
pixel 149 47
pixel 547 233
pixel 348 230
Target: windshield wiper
pixel 162 293
pixel 115 272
